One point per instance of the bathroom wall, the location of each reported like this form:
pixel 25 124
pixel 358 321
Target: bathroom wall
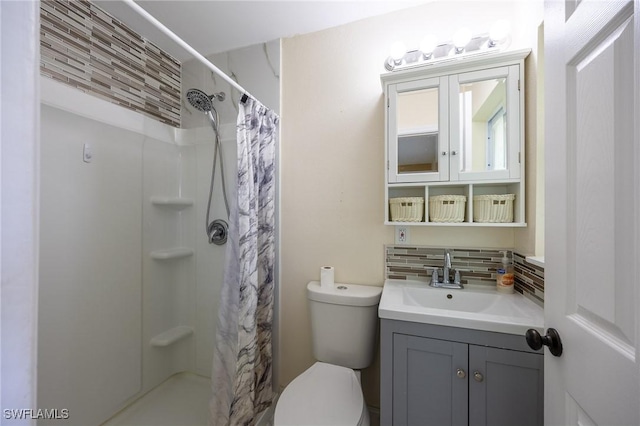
pixel 90 323
pixel 333 151
pixel 19 201
pixel 257 69
pixel 85 47
pixel 530 240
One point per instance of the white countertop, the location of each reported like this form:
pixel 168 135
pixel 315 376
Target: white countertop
pixel 473 307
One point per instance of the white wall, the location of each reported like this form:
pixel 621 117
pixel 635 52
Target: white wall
pixel 19 144
pixel 90 323
pixel 530 240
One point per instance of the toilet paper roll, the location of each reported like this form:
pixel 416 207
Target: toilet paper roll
pixel 326 276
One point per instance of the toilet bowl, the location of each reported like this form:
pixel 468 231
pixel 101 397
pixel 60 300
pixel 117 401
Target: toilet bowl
pixel 323 395
pixel 343 328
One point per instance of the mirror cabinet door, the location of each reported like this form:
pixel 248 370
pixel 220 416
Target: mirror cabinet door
pixel 485 131
pixel 416 131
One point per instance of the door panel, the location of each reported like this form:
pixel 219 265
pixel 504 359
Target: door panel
pixel 508 387
pixel 600 157
pixel 426 388
pixel 592 214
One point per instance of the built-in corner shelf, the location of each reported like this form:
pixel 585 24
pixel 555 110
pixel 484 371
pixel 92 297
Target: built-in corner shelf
pixel 171 336
pixel 174 203
pixel 173 253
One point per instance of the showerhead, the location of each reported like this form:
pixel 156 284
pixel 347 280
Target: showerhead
pixel 201 101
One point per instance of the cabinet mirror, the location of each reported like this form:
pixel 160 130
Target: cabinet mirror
pixel 483 125
pixel 417 131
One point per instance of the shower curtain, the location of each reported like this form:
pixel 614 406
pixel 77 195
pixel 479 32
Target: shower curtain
pixel 242 364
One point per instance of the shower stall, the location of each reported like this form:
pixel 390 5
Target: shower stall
pixel 129 209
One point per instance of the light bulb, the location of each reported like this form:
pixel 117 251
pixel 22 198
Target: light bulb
pixel 461 38
pixel 499 31
pixel 428 45
pixel 397 51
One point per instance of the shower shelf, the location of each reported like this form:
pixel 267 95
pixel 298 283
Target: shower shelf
pixel 175 203
pixel 174 253
pixel 171 336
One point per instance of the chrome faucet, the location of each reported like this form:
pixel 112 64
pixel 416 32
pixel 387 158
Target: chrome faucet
pixel 446 271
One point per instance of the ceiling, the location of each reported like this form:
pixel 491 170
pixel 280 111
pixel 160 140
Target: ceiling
pixel 213 26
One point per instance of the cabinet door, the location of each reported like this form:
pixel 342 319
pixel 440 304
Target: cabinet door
pixel 485 127
pixel 428 388
pixel 505 387
pixel 418 134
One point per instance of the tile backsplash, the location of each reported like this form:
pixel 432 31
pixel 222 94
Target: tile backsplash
pixel 83 46
pixel 529 278
pixel 478 267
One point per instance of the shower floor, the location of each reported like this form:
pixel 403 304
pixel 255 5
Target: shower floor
pixel 181 400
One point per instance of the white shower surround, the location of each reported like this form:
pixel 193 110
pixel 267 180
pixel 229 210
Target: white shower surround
pixel 149 159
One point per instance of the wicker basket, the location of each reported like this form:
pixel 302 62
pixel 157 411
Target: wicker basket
pixel 447 208
pixel 406 209
pixel 493 208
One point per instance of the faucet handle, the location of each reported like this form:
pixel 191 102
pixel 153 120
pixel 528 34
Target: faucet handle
pixel 434 274
pixel 456 277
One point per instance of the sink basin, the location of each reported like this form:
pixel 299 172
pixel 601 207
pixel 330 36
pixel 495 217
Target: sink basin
pixel 473 307
pixel 454 300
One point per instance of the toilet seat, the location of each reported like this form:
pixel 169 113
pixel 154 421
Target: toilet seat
pixel 324 394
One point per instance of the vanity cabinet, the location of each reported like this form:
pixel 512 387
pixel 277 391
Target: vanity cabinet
pixel 456 128
pixel 437 375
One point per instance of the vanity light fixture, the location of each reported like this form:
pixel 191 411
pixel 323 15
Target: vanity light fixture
pixel 499 32
pixel 461 38
pixel 462 45
pixel 396 53
pixel 427 46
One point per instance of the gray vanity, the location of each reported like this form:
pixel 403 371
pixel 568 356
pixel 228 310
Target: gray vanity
pixel 458 357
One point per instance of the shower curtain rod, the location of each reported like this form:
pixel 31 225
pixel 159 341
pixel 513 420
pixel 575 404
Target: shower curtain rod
pixel 159 25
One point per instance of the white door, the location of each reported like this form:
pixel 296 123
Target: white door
pixel 592 274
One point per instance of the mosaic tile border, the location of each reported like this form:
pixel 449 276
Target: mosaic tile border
pixel 409 262
pixel 84 47
pixel 529 278
pixel 479 267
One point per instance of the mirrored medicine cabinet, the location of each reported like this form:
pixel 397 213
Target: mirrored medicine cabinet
pixel 456 127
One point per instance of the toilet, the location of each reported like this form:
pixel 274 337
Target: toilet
pixel 343 326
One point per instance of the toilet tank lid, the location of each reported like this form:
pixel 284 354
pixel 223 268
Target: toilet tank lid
pixel 344 294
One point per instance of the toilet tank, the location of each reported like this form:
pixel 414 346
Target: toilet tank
pixel 344 320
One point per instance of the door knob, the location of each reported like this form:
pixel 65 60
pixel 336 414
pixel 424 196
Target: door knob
pixel 552 340
pixel 460 373
pixel 478 376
